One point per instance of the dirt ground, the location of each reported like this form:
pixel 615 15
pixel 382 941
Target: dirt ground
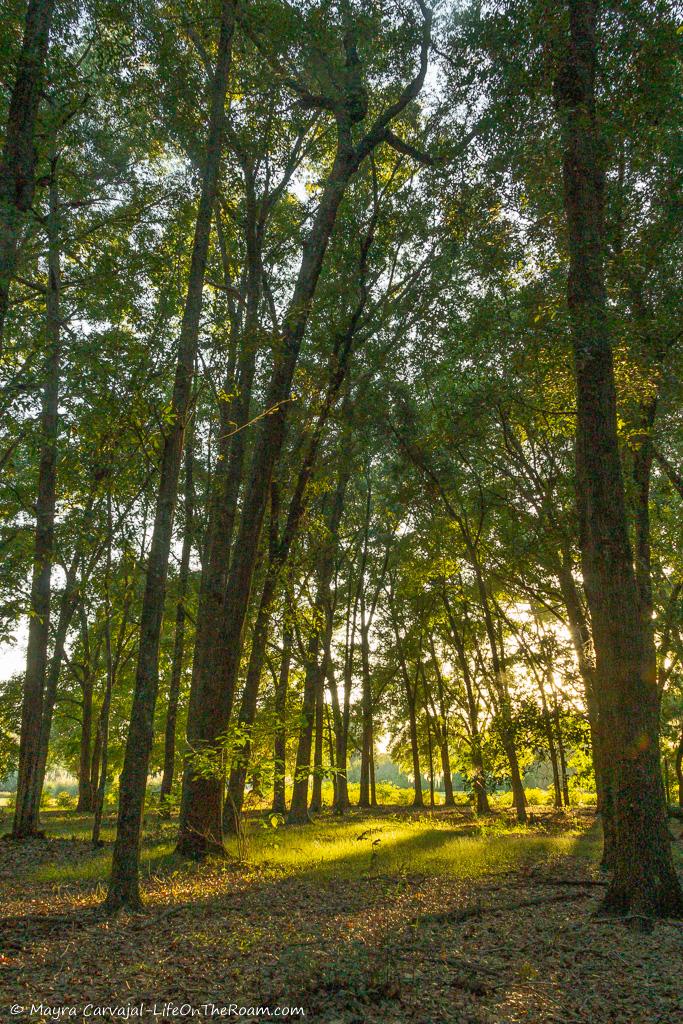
pixel 522 946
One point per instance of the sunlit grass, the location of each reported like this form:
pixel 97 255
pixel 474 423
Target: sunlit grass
pixel 331 847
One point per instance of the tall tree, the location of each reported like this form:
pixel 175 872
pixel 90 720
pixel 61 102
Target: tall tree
pixel 644 883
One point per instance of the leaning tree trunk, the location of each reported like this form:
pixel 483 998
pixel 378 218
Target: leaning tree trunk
pixel 644 883
pixel 18 163
pixel 179 640
pixel 124 889
pixel 27 807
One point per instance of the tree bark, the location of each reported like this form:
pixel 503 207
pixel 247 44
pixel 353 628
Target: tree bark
pixel 179 639
pixel 644 883
pixel 18 162
pixel 124 887
pixel 27 808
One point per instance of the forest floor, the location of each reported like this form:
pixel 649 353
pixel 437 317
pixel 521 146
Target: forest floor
pixel 383 917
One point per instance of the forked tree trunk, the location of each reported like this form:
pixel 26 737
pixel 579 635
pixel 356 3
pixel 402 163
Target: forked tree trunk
pixel 27 807
pixel 201 808
pixel 124 889
pixel 18 163
pixel 644 883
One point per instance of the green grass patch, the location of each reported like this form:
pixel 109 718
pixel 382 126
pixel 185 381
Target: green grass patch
pixel 392 844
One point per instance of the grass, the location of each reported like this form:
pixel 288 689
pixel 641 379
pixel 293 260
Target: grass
pixel 391 844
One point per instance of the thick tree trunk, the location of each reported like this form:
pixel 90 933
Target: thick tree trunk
pixel 280 739
pixel 18 162
pixel 27 807
pixel 124 885
pixel 644 882
pixel 179 639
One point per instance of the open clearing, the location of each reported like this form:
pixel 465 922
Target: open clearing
pixel 389 916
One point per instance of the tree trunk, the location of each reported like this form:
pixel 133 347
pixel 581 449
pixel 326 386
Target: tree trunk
pixel 644 882
pixel 179 640
pixel 124 886
pixel 201 810
pixel 85 791
pixel 552 751
pixel 679 768
pixel 441 729
pixel 298 810
pixel 478 773
pixel 103 724
pixel 280 739
pixel 316 804
pixel 364 799
pixel 27 808
pixel 18 163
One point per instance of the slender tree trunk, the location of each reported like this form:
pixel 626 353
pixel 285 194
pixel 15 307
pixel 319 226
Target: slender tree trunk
pixel 331 749
pixel 679 768
pixel 316 804
pixel 95 763
pixel 373 778
pixel 18 162
pixel 552 751
pixel 280 744
pixel 124 886
pixel 365 797
pixel 67 607
pixel 430 755
pixel 103 724
pixel 179 640
pixel 478 773
pixel 644 883
pixel 27 808
pixel 298 810
pixel 441 728
pixel 85 792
